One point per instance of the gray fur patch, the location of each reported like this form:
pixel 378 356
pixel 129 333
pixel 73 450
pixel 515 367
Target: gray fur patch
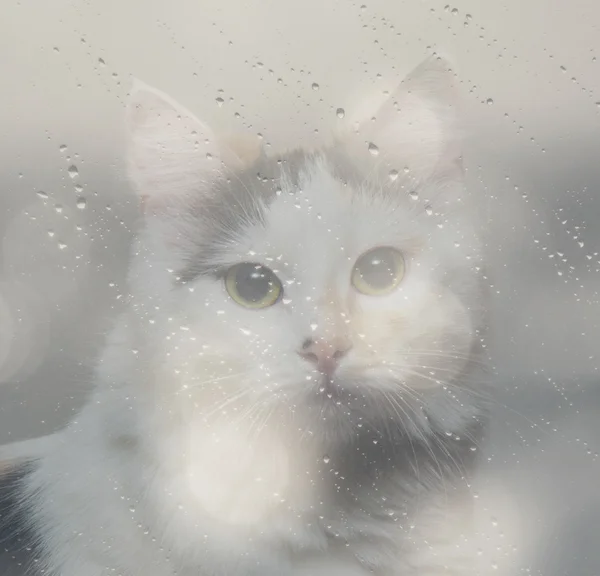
pixel 18 545
pixel 238 200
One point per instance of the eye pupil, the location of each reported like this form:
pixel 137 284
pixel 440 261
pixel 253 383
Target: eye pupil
pixel 253 285
pixel 378 271
pixel 252 282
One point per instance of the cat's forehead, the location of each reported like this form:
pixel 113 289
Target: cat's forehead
pixel 301 208
pixel 309 222
pixel 322 211
pixel 311 200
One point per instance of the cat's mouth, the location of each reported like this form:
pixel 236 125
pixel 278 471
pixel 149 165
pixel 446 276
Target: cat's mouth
pixel 332 390
pixel 329 387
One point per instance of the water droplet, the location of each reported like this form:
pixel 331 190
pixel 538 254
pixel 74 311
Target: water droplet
pixel 314 326
pixel 468 17
pixel 413 194
pixel 209 156
pixel 51 233
pixel 56 49
pixel 373 149
pixel 326 459
pixel 42 194
pixel 58 208
pixel 315 86
pixel 563 69
pixel 78 188
pixel 81 203
pixel 220 101
pixel 489 101
pixel 62 148
pixel 340 112
pixel 61 245
pixel 393 175
pixel 454 11
pixel 428 210
pixel 406 169
pixel 102 62
pixel 73 172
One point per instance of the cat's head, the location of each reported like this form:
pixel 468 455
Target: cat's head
pixel 323 292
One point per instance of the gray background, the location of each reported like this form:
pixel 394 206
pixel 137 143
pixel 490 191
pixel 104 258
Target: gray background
pixel 533 155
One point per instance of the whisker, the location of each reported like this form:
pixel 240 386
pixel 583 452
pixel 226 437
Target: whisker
pixel 395 406
pixel 403 371
pixel 444 355
pixel 426 443
pixel 255 428
pixel 229 401
pixel 399 394
pixel 211 381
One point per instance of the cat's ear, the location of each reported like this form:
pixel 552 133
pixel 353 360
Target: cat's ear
pixel 417 127
pixel 172 155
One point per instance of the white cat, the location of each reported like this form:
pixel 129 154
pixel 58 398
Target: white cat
pixel 293 389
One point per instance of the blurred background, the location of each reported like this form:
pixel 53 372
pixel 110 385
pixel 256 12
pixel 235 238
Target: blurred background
pixel 531 85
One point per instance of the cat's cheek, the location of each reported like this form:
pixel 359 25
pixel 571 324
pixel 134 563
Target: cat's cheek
pixel 378 329
pixel 235 477
pixel 423 341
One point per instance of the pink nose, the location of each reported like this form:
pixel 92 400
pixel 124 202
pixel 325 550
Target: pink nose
pixel 324 354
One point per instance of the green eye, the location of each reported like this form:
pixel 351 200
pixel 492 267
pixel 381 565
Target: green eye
pixel 378 271
pixel 252 285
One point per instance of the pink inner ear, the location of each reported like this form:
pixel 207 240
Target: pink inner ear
pixel 240 150
pixel 151 205
pixel 416 127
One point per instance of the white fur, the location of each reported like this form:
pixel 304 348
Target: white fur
pixel 200 452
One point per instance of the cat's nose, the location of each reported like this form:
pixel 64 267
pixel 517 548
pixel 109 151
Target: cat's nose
pixel 324 354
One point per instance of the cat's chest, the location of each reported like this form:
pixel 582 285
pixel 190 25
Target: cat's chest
pixel 350 537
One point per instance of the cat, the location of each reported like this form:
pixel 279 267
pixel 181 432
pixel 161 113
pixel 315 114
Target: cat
pixel 295 387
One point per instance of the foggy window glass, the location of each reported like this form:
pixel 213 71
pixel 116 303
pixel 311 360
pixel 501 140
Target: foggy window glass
pixel 358 330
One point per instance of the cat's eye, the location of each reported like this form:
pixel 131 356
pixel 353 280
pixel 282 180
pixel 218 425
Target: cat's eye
pixel 252 285
pixel 378 271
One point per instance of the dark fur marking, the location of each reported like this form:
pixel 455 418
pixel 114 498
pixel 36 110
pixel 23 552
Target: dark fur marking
pixel 18 548
pixel 237 201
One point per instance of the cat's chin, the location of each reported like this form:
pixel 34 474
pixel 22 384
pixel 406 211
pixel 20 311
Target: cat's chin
pixel 335 394
pixel 335 410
